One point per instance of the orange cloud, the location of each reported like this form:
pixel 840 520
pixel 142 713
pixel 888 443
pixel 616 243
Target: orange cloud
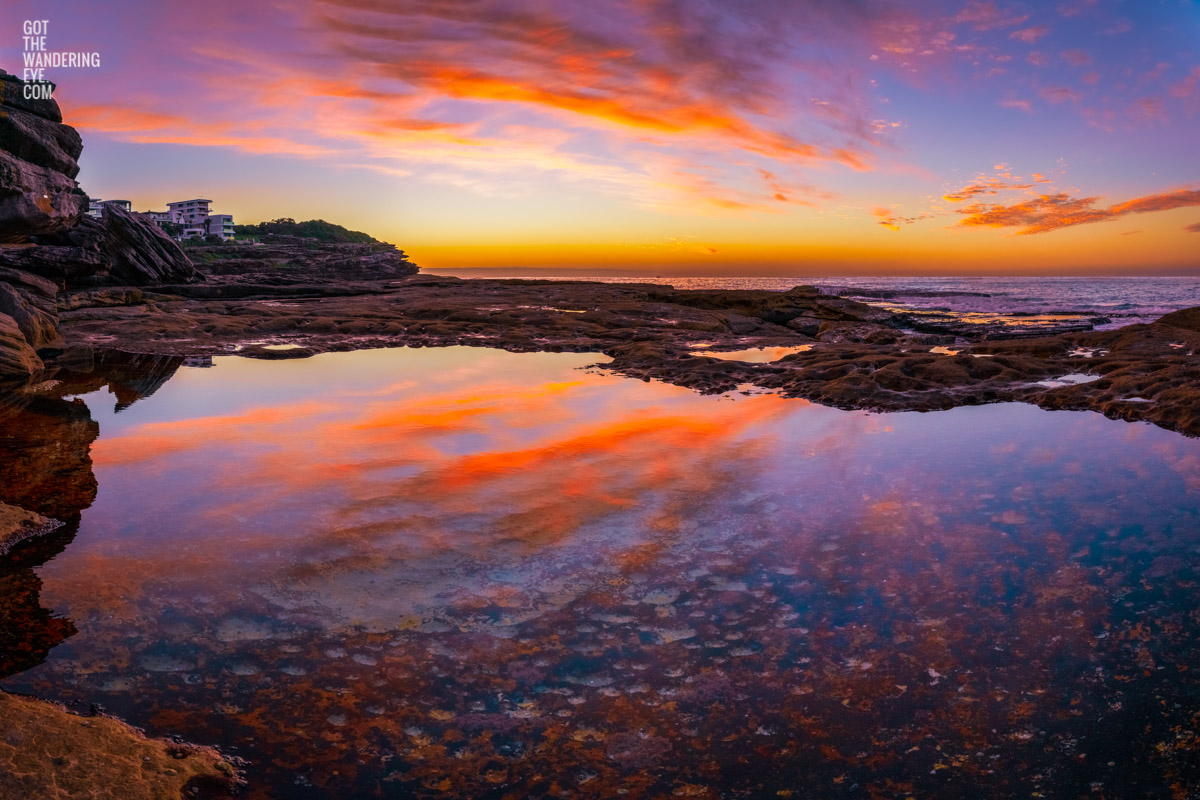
pixel 889 219
pixel 988 185
pixel 1049 212
pixel 886 218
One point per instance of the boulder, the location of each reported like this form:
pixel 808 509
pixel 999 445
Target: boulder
pixel 139 252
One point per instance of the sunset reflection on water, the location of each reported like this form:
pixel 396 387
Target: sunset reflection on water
pixel 470 573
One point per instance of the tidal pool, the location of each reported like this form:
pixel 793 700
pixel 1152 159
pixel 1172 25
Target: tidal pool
pixel 753 355
pixel 468 573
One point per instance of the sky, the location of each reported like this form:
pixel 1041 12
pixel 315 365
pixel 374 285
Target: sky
pixel 756 137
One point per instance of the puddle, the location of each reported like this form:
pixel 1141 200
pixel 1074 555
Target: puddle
pixel 1070 379
pixel 753 355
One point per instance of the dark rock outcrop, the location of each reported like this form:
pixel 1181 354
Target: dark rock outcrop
pixel 289 259
pixel 48 245
pixel 17 359
pixel 1186 318
pixel 121 248
pixel 38 165
pixel 31 301
pixel 12 94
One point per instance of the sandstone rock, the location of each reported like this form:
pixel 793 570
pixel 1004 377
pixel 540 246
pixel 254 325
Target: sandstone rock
pixel 294 259
pixel 31 302
pixel 51 754
pixel 103 297
pixel 38 165
pixel 121 248
pixel 1186 318
pixel 40 141
pixel 140 253
pixel 72 258
pixel 12 94
pixel 45 461
pixel 17 359
pixel 17 525
pixel 36 199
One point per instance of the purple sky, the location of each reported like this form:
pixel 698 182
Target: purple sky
pixel 754 136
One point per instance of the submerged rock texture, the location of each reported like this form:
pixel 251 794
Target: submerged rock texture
pixel 49 753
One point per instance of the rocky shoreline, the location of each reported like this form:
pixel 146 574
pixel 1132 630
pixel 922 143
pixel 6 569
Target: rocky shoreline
pixel 853 355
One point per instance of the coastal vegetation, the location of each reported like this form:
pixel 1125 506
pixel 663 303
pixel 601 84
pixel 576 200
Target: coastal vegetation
pixel 317 229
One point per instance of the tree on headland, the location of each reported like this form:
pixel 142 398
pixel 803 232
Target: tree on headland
pixel 317 229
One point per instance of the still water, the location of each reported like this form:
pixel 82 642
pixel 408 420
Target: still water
pixel 463 572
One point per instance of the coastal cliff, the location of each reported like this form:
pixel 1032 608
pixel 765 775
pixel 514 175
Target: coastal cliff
pixel 47 244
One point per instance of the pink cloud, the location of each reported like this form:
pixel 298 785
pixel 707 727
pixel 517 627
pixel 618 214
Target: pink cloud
pixel 1030 35
pixel 984 15
pixel 1076 58
pixel 1060 94
pixel 1022 105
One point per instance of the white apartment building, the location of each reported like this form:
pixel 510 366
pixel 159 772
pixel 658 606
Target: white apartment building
pixel 189 212
pixel 219 225
pixel 197 219
pixel 96 206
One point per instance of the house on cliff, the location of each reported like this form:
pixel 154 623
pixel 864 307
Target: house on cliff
pixel 196 218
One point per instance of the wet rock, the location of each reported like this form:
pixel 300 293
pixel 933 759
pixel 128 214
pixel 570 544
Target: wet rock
pixel 48 752
pixel 28 630
pixel 17 525
pixel 45 464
